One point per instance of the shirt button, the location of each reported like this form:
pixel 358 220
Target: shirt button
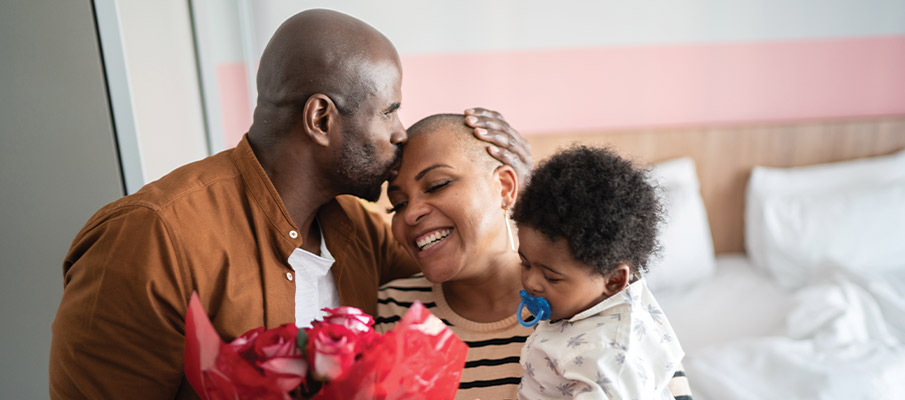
pixel 289 276
pixel 293 234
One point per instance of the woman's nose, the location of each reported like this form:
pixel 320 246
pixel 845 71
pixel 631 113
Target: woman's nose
pixel 414 211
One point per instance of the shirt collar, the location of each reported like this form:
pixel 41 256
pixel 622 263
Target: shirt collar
pixel 630 295
pixel 336 226
pixel 265 194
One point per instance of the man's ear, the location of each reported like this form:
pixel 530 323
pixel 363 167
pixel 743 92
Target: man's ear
pixel 616 280
pixel 508 184
pixel 319 116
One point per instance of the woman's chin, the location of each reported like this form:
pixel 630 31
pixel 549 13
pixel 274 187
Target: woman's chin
pixel 439 273
pixel 441 262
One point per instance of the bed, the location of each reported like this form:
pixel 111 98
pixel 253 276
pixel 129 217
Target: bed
pixel 783 260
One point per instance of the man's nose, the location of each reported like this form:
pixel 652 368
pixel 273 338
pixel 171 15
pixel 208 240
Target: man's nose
pixel 398 135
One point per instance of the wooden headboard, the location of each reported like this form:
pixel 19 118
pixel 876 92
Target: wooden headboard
pixel 724 156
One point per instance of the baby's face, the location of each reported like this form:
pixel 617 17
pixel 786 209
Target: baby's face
pixel 550 271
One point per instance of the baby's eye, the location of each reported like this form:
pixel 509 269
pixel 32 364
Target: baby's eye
pixel 438 186
pixel 397 207
pixel 552 280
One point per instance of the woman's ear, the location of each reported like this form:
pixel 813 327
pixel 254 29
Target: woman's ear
pixel 616 280
pixel 319 116
pixel 508 184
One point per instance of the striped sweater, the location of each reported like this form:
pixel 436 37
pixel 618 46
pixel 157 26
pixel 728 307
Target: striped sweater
pixel 492 369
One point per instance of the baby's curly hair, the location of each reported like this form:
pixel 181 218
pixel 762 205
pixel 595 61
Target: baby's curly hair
pixel 601 204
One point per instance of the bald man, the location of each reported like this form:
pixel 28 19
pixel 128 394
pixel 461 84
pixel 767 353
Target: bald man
pixel 267 233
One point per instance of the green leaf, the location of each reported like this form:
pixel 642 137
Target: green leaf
pixel 301 341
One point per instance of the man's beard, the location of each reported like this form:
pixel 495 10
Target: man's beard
pixel 362 173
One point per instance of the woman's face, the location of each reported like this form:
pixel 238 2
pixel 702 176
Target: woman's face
pixel 448 209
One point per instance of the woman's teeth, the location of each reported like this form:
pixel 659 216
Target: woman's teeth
pixel 431 240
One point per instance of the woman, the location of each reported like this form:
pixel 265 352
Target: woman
pixel 451 203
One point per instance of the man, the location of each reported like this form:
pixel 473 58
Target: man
pixel 264 232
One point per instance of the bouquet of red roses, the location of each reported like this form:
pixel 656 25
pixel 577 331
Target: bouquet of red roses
pixel 340 357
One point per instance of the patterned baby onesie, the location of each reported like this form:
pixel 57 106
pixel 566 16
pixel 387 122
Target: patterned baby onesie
pixel 621 348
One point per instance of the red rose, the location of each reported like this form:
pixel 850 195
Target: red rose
pixel 274 353
pixel 331 350
pixel 245 345
pixel 277 342
pixel 350 317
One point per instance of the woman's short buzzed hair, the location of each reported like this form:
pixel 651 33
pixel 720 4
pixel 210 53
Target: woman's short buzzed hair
pixel 454 124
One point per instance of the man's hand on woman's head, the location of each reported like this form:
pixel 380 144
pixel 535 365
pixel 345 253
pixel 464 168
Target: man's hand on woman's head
pixel 506 144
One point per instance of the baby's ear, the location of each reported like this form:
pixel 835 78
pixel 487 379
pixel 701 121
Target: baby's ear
pixel 617 279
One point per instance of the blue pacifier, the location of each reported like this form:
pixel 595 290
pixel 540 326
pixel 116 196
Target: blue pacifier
pixel 537 306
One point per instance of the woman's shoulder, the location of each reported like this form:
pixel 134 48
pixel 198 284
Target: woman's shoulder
pixel 395 297
pixel 416 283
pixel 398 295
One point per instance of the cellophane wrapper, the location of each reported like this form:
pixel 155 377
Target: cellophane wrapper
pixel 217 371
pixel 420 358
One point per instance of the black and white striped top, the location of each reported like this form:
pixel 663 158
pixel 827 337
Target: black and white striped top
pixel 492 369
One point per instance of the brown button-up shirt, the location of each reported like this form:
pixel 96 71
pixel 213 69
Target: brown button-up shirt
pixel 218 227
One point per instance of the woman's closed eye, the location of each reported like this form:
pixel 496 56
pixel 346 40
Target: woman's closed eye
pixel 434 187
pixel 397 207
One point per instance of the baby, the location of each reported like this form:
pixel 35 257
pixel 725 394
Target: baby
pixel 587 225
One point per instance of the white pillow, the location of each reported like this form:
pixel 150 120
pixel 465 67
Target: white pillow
pixel 798 220
pixel 686 245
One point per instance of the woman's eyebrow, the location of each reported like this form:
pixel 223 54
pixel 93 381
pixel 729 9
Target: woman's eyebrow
pixel 393 188
pixel 429 169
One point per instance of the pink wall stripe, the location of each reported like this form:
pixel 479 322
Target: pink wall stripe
pixel 234 106
pixel 613 88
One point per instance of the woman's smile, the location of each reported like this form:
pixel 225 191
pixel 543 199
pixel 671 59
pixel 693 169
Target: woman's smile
pixel 432 238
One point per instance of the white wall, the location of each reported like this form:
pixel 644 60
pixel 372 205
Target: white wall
pixel 426 27
pixel 609 65
pixel 149 54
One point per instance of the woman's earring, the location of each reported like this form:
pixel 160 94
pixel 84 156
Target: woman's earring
pixel 509 228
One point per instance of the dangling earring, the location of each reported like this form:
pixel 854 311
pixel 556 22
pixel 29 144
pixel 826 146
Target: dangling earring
pixel 509 228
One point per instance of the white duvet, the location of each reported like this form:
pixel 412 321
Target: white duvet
pixel 840 337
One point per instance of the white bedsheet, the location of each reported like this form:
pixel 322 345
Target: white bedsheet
pixel 840 337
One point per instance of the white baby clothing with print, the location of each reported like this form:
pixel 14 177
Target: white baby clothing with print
pixel 621 348
pixel 315 287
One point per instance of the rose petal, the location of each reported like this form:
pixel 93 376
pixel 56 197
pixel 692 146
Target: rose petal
pixel 286 366
pixel 279 349
pixel 350 317
pixel 279 341
pixel 328 366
